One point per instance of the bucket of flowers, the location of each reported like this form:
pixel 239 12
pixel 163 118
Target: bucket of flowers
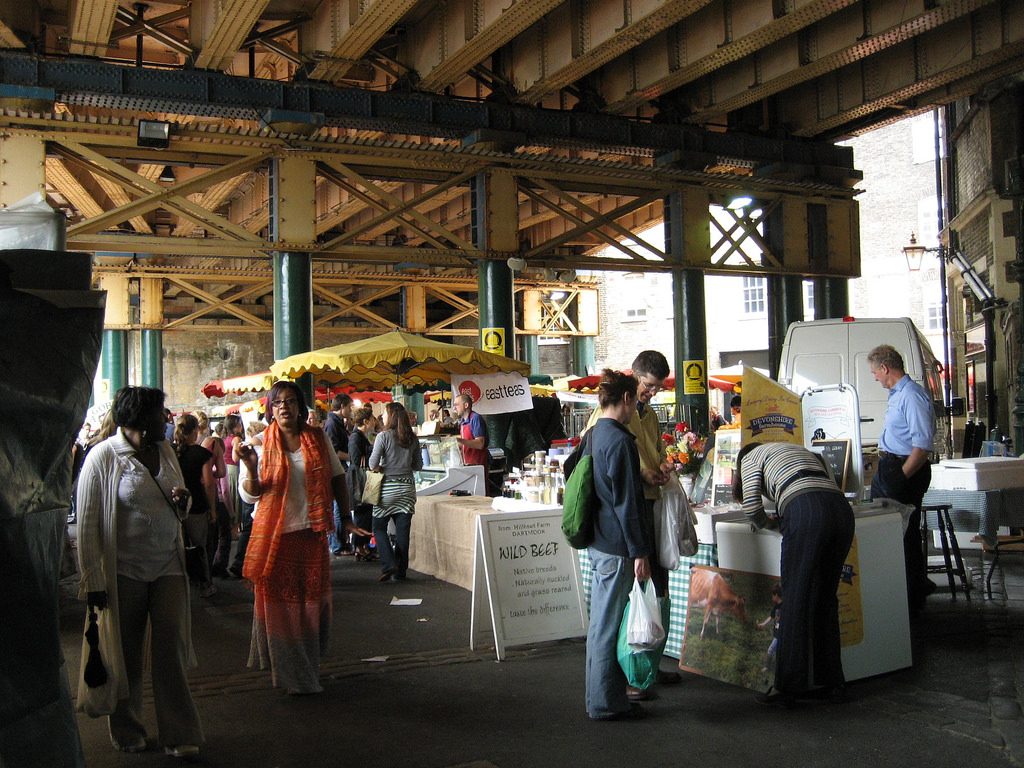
pixel 684 449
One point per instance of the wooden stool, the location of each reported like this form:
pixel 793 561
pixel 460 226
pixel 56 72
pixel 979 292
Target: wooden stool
pixel 947 538
pixel 1012 543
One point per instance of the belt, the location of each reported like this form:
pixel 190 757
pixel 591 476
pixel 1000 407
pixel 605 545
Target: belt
pixel 892 455
pixel 799 475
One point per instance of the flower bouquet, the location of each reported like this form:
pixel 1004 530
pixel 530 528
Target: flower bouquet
pixel 684 449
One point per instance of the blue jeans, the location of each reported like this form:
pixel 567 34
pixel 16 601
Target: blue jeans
pixel 393 559
pixel 337 539
pixel 612 578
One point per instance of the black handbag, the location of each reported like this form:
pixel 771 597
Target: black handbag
pixel 195 559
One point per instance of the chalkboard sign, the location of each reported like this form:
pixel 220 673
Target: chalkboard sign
pixel 526 580
pixel 837 454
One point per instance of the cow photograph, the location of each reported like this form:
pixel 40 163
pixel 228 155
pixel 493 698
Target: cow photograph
pixel 727 636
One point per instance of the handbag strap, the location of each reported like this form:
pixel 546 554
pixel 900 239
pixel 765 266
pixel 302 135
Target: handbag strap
pixel 174 507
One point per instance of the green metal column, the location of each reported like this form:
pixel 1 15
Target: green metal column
pixel 831 297
pixel 785 306
pixel 152 358
pixel 293 220
pixel 530 346
pixel 1016 273
pixel 293 309
pixel 495 227
pixel 691 337
pixel 114 359
pixel 584 354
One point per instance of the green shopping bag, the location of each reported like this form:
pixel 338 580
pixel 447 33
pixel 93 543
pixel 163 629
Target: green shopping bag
pixel 641 667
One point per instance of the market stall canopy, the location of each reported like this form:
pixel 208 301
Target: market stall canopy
pixel 391 359
pixel 237 385
pixel 589 383
pixel 727 379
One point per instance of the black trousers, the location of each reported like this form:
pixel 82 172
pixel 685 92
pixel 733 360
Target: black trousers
pixel 817 530
pixel 890 483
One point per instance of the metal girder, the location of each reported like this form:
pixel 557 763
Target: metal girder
pixel 358 308
pixel 700 46
pixel 591 226
pixel 214 302
pixel 988 41
pixel 218 28
pixel 155 195
pixel 549 58
pixel 211 200
pixel 197 92
pixel 464 33
pixel 8 37
pixel 391 205
pixel 64 181
pixel 346 40
pixel 746 225
pixel 847 41
pixel 595 216
pixel 89 25
pixel 132 25
pixel 119 197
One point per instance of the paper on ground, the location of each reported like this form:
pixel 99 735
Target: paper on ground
pixel 406 601
pixel 376 658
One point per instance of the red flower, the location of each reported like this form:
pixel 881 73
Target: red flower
pixel 682 426
pixel 668 439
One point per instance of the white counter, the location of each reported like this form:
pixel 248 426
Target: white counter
pixel 872 608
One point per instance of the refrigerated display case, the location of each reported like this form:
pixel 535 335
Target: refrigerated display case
pixel 443 470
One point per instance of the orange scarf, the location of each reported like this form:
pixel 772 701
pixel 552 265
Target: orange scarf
pixel 274 481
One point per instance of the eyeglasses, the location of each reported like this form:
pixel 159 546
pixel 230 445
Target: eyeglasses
pixel 654 387
pixel 291 402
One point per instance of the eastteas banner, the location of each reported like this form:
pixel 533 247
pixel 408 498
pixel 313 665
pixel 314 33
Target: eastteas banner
pixel 495 392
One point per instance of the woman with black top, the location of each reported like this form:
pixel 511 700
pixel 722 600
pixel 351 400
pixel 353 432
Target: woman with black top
pixel 197 468
pixel 359 448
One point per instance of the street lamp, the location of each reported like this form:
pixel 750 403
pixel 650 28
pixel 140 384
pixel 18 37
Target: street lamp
pixel 914 253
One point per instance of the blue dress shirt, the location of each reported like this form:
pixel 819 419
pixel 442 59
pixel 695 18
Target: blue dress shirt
pixel 909 419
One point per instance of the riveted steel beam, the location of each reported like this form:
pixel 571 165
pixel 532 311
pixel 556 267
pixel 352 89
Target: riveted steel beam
pixel 463 33
pixel 89 25
pixel 218 28
pixel 340 41
pixel 610 36
pixel 837 44
pixel 699 46
pixel 215 94
pixel 898 77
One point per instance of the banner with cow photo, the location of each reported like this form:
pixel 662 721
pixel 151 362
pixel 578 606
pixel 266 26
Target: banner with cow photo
pixel 732 620
pixel 494 393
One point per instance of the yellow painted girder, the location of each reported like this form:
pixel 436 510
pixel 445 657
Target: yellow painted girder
pixel 90 23
pixel 607 41
pixel 211 200
pixel 119 197
pixel 8 38
pixel 351 39
pixel 64 181
pixel 474 46
pixel 220 27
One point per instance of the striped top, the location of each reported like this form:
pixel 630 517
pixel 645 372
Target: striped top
pixel 781 472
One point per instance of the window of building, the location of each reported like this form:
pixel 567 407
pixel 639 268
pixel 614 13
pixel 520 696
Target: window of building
pixel 933 317
pixel 753 295
pixel 634 305
pixel 808 299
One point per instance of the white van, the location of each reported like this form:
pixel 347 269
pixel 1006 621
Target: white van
pixel 822 352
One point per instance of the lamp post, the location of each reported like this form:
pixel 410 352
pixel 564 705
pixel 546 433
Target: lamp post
pixel 914 253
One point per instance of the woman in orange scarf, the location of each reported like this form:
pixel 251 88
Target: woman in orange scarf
pixel 293 484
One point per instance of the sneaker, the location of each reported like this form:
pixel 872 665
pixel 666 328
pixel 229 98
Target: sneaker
pixel 208 591
pixel 138 745
pixel 182 750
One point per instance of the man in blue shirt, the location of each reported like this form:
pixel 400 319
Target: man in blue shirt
pixel 904 469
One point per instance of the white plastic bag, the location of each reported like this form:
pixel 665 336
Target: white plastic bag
pixel 674 532
pixel 644 631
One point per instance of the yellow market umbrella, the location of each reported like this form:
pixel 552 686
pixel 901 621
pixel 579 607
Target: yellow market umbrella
pixel 393 359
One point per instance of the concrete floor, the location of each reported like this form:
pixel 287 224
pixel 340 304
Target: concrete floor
pixel 435 703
